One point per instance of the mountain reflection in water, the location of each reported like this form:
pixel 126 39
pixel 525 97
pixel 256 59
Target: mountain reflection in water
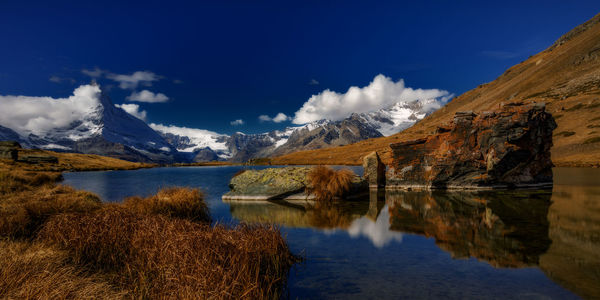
pixel 506 229
pixel 557 231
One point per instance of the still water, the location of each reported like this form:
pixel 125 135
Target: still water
pixel 502 245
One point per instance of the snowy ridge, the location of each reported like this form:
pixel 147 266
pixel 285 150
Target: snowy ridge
pixel 391 120
pixel 197 138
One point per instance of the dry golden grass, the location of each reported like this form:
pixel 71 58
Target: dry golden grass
pixel 159 257
pixel 326 183
pixel 21 214
pixel 35 271
pixel 60 243
pixel 565 77
pixel 12 181
pixel 176 202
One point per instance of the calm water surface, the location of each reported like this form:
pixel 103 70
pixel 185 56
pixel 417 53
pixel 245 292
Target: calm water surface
pixel 502 245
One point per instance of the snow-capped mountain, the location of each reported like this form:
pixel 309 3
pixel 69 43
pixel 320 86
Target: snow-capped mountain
pixel 86 122
pixel 393 119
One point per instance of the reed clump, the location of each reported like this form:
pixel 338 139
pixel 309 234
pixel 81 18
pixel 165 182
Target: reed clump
pixel 154 256
pixel 327 184
pixel 174 202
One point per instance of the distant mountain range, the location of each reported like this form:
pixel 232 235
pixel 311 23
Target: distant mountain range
pixel 108 130
pixel 201 145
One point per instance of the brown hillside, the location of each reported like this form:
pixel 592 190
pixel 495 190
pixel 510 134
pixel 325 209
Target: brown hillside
pixel 71 162
pixel 566 76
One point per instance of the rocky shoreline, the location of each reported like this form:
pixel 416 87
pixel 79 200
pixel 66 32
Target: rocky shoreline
pixel 504 149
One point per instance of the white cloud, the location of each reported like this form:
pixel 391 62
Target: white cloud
pixel 280 117
pixel 95 73
pixel 381 92
pixel 147 96
pixel 134 110
pixel 313 82
pixel 57 79
pixel 377 232
pixel 237 122
pixel 132 81
pixel 41 115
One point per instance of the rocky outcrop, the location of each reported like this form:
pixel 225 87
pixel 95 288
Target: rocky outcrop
pixel 507 148
pixel 374 170
pixel 288 183
pixel 9 150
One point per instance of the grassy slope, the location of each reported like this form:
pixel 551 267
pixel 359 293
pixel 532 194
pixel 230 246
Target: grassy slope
pixel 566 76
pixel 73 162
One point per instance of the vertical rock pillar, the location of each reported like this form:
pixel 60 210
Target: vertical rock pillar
pixel 374 170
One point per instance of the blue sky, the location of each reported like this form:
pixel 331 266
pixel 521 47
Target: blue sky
pixel 219 61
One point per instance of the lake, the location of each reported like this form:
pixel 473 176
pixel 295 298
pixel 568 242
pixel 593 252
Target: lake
pixel 500 244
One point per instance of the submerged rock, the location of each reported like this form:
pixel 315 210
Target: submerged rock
pixel 501 149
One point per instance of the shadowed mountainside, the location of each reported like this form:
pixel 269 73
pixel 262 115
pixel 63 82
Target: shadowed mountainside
pixel 566 76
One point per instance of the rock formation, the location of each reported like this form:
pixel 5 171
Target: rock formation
pixel 9 150
pixel 374 170
pixel 506 148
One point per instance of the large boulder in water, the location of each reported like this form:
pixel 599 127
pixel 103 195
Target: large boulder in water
pixel 269 183
pixel 279 183
pixel 507 148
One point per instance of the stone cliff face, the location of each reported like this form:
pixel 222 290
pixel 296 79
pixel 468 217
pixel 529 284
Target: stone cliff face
pixel 509 147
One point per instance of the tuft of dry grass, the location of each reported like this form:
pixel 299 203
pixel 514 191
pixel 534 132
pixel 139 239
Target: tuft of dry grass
pixel 326 183
pixel 12 181
pixel 175 202
pixel 22 214
pixel 159 257
pixel 35 271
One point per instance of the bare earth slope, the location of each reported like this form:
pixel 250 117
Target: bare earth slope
pixel 566 76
